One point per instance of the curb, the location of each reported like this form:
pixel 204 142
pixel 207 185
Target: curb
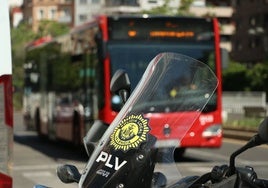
pixel 238 134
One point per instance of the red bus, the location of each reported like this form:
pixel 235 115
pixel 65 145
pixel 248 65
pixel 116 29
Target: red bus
pixel 6 110
pixel 67 83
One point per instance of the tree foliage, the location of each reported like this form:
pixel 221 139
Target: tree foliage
pixel 241 77
pixel 163 10
pixel 52 28
pixel 235 77
pixel 258 77
pixel 20 37
pixel 184 8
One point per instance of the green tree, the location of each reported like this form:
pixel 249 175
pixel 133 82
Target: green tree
pixel 258 77
pixel 184 8
pixel 52 28
pixel 241 77
pixel 164 10
pixel 235 77
pixel 20 37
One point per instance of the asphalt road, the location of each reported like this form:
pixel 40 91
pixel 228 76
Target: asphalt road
pixel 35 160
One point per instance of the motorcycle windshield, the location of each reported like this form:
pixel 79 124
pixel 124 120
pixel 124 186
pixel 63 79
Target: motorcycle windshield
pixel 172 92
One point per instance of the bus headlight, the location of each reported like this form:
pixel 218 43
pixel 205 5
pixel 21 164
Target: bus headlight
pixel 214 130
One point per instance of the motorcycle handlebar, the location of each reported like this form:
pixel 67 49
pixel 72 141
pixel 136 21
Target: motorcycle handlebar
pixel 219 177
pixel 261 183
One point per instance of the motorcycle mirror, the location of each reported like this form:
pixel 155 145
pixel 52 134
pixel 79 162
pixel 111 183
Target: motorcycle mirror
pixel 159 180
pixel 258 139
pixel 263 130
pixel 120 84
pixel 68 174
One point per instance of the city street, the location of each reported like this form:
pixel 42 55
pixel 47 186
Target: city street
pixel 200 72
pixel 35 160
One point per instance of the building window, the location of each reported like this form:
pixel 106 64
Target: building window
pixel 52 14
pixel 254 42
pixel 121 3
pixel 82 17
pixel 66 12
pixel 65 16
pixel 238 46
pixel 40 14
pixel 252 21
pixel 95 1
pixel 152 1
pixel 83 2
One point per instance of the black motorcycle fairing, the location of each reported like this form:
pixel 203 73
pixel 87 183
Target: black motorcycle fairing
pixel 136 167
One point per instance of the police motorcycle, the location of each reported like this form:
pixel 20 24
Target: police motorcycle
pixel 133 153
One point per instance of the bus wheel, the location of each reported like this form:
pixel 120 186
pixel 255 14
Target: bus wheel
pixel 76 129
pixel 37 123
pixel 178 153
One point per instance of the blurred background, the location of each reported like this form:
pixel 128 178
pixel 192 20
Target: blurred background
pixel 243 27
pixel 243 33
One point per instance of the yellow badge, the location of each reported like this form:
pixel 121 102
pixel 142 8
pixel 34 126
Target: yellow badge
pixel 130 133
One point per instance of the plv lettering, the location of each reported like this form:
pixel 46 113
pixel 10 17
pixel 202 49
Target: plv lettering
pixel 110 161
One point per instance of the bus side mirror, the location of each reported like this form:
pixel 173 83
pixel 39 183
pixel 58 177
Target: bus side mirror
pixel 120 84
pixel 224 58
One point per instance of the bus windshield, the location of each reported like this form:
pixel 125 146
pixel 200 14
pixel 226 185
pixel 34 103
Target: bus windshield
pixel 134 57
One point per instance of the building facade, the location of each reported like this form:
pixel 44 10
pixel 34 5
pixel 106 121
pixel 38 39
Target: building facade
pixel 77 12
pixel 85 10
pixel 250 39
pixel 61 11
pixel 16 15
pixel 223 10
